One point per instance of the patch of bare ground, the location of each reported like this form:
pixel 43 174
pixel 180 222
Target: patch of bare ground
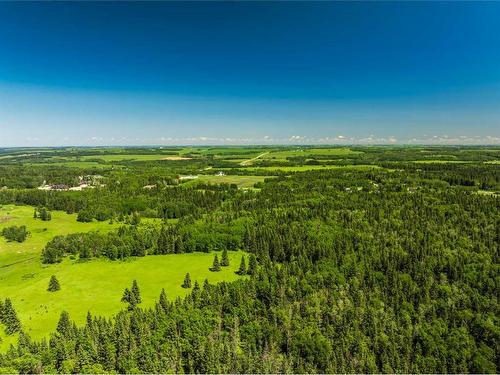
pixel 176 158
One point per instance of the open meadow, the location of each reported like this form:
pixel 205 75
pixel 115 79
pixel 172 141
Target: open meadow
pixel 93 285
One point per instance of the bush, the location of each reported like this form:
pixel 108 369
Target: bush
pixel 15 233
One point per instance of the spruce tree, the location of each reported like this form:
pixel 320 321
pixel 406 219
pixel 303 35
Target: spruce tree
pixel 196 286
pixel 53 284
pixel 187 281
pixel 225 259
pixel 215 266
pixel 64 325
pixel 9 318
pixel 163 302
pixel 136 292
pixel 252 265
pixel 126 295
pixel 243 267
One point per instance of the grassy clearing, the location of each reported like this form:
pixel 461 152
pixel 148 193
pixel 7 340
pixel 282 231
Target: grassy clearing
pixel 41 231
pixel 241 181
pixel 308 152
pixel 97 286
pixel 122 157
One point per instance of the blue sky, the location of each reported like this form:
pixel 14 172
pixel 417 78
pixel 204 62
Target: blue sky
pixel 249 72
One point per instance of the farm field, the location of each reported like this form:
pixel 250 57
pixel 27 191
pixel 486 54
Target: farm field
pixel 97 286
pixel 309 152
pixel 244 182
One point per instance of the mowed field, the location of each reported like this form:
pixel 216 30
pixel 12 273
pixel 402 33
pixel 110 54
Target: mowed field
pixel 244 182
pixel 96 285
pixel 310 152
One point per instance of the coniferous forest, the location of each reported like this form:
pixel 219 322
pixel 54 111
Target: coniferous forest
pixel 389 268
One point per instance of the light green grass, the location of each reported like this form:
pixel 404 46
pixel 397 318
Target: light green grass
pixel 95 285
pixel 41 231
pixel 121 157
pixel 241 181
pixel 307 152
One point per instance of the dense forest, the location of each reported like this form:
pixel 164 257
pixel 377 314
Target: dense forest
pixel 392 270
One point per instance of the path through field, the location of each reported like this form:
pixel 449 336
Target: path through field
pixel 250 161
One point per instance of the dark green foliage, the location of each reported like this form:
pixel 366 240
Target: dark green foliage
pixel 242 270
pixel 187 281
pixel 15 233
pixel 136 292
pixel 53 284
pixel 252 265
pixel 8 317
pixel 216 265
pixel 135 219
pixel 85 216
pixel 132 296
pixel 225 259
pixel 42 213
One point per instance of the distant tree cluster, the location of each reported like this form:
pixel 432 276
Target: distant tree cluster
pixel 42 213
pixel 15 233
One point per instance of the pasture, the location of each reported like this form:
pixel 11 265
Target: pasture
pixel 244 182
pixel 95 285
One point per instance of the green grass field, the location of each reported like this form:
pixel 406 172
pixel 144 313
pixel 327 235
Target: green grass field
pixel 41 231
pixel 244 182
pixel 96 285
pixel 308 152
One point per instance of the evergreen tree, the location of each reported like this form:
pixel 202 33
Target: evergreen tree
pixel 163 302
pixel 225 259
pixel 243 267
pixel 53 284
pixel 9 318
pixel 252 265
pixel 126 295
pixel 187 281
pixel 215 266
pixel 64 326
pixel 196 286
pixel 136 292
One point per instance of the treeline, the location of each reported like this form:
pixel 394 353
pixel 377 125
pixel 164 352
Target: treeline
pixel 185 237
